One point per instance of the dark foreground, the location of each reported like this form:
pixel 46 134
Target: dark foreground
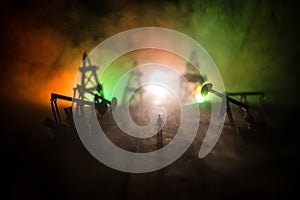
pixel 256 163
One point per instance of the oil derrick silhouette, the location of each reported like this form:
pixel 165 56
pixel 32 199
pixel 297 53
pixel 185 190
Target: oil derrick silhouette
pixel 192 75
pixel 133 86
pixel 88 84
pixel 193 69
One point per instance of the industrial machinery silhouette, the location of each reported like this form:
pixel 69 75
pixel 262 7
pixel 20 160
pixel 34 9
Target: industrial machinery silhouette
pixel 192 75
pixel 82 94
pixel 89 92
pixel 132 86
pixel 88 84
pixel 245 107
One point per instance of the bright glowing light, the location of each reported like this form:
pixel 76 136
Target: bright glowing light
pixel 158 95
pixel 161 76
pixel 199 98
pixel 163 79
pixel 157 90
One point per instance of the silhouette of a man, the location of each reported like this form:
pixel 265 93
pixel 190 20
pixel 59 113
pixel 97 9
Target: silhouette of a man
pixel 159 124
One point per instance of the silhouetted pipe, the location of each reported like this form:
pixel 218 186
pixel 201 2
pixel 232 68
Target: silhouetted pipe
pixel 208 88
pixel 112 103
pixel 57 111
pixel 59 96
pixel 53 111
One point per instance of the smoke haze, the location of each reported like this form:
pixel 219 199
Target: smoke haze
pixel 254 43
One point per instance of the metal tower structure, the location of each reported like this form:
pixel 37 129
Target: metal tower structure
pixel 134 81
pixel 88 84
pixel 192 75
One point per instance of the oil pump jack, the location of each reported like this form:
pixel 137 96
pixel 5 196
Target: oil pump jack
pixel 242 104
pixel 89 85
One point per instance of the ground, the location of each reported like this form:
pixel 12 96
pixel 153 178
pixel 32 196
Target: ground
pixel 255 163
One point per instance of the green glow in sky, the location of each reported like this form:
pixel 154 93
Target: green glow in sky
pixel 252 43
pixel 200 98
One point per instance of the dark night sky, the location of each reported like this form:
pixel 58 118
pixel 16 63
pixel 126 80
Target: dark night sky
pixel 254 43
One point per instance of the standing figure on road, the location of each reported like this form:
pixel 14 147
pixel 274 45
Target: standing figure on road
pixel 159 124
